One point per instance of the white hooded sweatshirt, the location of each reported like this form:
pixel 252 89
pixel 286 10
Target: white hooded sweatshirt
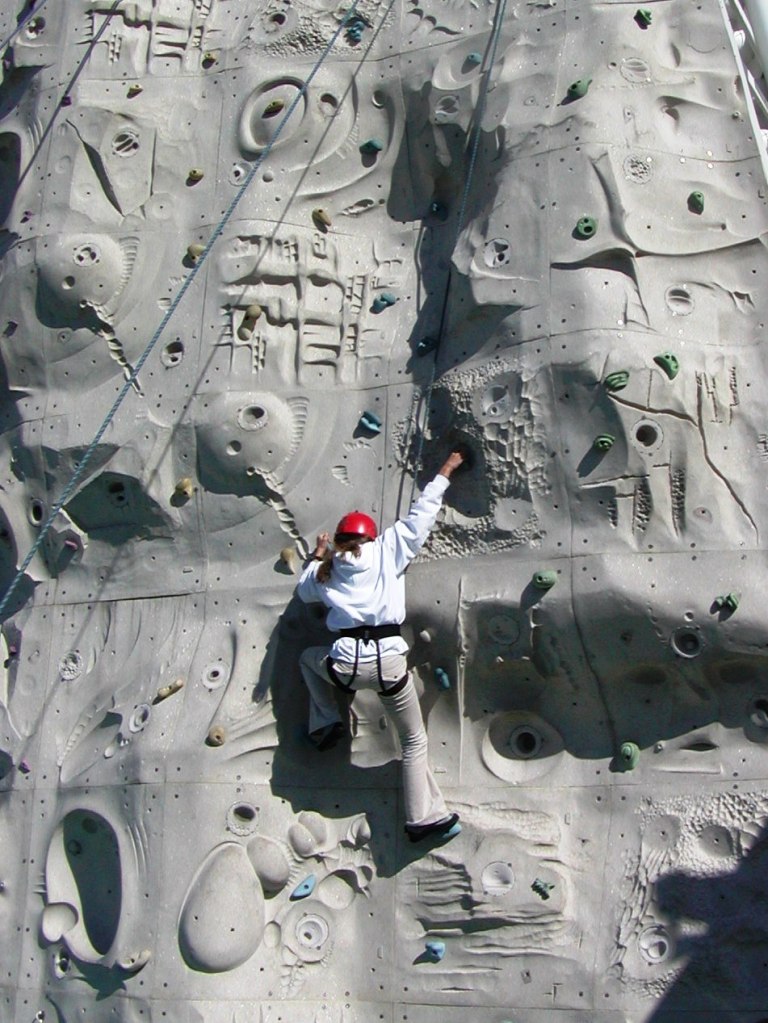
pixel 370 590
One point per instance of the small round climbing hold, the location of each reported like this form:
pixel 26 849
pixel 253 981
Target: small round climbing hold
pixel 184 488
pixel 604 442
pixel 321 218
pixel 216 736
pixel 194 175
pixel 616 381
pixel 545 579
pixel 696 202
pixel 372 145
pixel 579 88
pixel 209 59
pixel 629 755
pixel 669 363
pixel 585 227
pixel 301 891
pixel 134 90
pixel 426 345
pixel 383 301
pixel 474 58
pixel 195 251
pixel 643 17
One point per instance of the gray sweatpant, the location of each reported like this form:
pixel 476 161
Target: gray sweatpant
pixel 424 803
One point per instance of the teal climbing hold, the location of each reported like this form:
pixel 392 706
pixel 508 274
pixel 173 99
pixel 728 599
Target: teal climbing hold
pixel 579 88
pixel 616 381
pixel 382 301
pixel 442 679
pixel 728 602
pixel 669 363
pixel 542 888
pixel 629 755
pixel 585 227
pixel 371 422
pixel 643 17
pixel 545 579
pixel 696 202
pixel 604 442
pixel 303 890
pixel 372 146
pixel 435 950
pixel 474 58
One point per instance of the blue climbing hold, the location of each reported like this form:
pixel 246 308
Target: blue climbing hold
pixel 306 888
pixel 435 950
pixel 442 679
pixel 371 422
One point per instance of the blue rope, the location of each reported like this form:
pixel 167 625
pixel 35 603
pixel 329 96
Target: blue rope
pixel 25 20
pixel 186 284
pixel 501 10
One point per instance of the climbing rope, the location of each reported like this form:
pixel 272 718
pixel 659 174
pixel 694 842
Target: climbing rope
pixel 480 110
pixel 24 21
pixel 186 284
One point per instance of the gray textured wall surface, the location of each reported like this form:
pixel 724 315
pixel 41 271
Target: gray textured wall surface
pixel 171 846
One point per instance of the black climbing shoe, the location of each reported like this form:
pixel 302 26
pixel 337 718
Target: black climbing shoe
pixel 327 737
pixel 441 830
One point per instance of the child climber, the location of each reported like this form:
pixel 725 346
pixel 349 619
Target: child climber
pixel 361 580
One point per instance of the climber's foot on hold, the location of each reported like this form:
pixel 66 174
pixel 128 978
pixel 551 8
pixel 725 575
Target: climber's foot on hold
pixel 440 830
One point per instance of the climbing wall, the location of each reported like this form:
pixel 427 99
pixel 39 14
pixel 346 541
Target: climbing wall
pixel 264 261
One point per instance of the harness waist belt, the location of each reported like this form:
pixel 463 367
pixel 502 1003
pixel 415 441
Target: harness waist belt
pixel 369 632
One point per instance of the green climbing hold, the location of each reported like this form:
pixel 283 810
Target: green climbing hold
pixel 542 888
pixel 669 363
pixel 372 146
pixel 643 17
pixel 273 108
pixel 696 202
pixel 728 602
pixel 586 227
pixel 629 755
pixel 194 175
pixel 604 442
pixel 616 381
pixel 579 88
pixel 545 579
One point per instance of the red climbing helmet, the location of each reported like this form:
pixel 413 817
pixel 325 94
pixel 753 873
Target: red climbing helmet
pixel 357 524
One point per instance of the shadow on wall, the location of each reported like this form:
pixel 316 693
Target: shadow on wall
pixel 720 925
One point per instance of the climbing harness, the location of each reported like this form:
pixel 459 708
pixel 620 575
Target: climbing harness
pixel 367 634
pixel 435 347
pixel 187 282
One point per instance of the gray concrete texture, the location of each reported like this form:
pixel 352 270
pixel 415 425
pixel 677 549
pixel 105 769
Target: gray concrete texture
pixel 172 846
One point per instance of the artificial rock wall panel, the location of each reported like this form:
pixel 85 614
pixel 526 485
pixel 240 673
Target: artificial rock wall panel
pixel 534 228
